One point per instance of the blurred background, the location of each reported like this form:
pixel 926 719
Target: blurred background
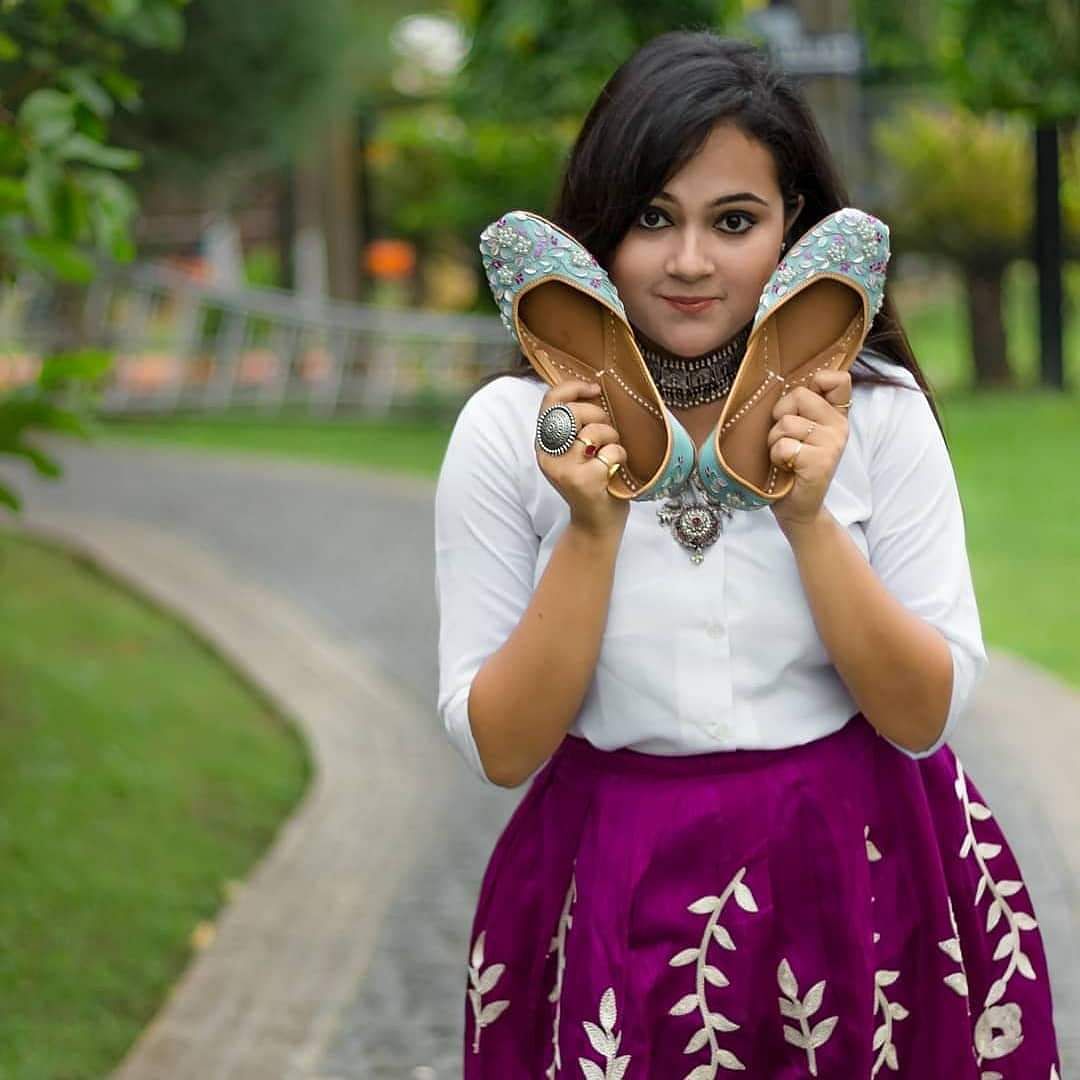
pixel 241 302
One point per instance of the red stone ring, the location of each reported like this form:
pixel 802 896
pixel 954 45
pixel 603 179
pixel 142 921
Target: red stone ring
pixel 590 448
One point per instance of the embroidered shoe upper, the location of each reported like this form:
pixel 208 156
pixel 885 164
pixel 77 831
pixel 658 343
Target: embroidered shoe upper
pixel 520 247
pixel 850 242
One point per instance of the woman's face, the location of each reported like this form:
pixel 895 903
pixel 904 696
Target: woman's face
pixel 714 232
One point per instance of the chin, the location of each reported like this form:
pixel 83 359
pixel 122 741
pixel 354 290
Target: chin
pixel 698 341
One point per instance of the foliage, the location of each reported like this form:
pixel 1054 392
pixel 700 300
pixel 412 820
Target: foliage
pixel 62 73
pixel 549 58
pixel 437 178
pixel 245 92
pixel 956 179
pixel 1016 55
pixel 37 408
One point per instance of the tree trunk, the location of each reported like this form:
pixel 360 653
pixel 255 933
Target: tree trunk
pixel 989 346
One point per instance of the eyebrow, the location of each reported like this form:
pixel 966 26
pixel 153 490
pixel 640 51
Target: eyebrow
pixel 741 196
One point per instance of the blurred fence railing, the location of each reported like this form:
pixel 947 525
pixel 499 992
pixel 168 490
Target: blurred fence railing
pixel 182 345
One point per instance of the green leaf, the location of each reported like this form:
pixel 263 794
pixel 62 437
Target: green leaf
pixel 48 115
pixel 9 498
pixel 80 147
pixel 89 91
pixel 12 195
pixel 54 256
pixel 43 464
pixel 85 365
pixel 9 48
pixel 112 206
pixel 40 184
pixel 30 408
pixel 156 25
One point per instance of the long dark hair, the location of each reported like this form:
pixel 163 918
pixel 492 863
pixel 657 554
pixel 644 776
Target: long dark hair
pixel 652 117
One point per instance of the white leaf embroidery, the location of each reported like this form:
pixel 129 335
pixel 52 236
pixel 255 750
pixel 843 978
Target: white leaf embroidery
pixel 951 949
pixel 492 1012
pixel 558 944
pixel 823 1031
pixel 729 1061
pixel 706 905
pixel 790 1009
pixel 745 898
pixel 704 973
pixel 600 1042
pixel 684 1005
pixel 812 1001
pixel 803 1037
pixel 687 956
pixel 490 978
pixel 591 1070
pixel 697 1041
pixel 605 1042
pixel 723 938
pixel 719 1022
pixel 481 982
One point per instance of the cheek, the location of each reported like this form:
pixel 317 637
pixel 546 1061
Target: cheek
pixel 759 261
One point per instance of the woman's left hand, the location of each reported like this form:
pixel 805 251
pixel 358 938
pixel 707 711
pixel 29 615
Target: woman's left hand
pixel 822 444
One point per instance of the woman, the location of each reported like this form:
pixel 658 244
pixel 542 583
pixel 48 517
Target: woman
pixel 746 845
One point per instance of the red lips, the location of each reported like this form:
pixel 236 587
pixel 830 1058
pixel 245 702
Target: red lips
pixel 689 306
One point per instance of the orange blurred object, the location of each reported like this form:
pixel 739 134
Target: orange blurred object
pixel 390 258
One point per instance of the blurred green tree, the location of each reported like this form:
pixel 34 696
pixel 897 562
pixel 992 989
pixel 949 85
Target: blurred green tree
pixel 447 165
pixel 955 183
pixel 251 86
pixel 1012 57
pixel 62 74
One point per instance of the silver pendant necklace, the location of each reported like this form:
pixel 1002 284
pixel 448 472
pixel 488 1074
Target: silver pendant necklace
pixel 696 520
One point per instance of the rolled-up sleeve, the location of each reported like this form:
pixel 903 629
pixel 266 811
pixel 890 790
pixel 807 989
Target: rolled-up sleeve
pixel 485 549
pixel 917 541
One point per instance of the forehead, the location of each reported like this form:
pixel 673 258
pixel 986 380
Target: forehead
pixel 728 161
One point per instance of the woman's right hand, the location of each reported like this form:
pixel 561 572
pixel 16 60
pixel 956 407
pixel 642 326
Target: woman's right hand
pixel 582 481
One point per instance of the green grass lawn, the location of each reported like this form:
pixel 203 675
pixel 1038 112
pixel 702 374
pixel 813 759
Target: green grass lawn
pixel 138 776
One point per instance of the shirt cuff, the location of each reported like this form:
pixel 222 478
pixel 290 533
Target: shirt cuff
pixel 455 718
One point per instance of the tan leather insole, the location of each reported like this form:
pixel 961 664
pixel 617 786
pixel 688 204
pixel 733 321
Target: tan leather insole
pixel 582 339
pixel 819 328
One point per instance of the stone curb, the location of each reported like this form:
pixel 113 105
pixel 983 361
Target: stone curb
pixel 262 1000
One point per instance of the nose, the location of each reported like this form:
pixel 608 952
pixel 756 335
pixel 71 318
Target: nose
pixel 690 258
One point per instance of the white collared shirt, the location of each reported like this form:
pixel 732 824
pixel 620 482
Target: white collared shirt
pixel 698 658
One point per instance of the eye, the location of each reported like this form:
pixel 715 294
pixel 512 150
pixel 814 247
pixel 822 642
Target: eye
pixel 742 221
pixel 650 210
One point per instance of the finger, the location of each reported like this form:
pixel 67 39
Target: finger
pixel 782 450
pixel 834 386
pixel 570 390
pixel 600 434
pixel 795 427
pixel 802 401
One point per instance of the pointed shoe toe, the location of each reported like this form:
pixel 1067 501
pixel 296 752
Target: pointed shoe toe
pixel 564 312
pixel 814 314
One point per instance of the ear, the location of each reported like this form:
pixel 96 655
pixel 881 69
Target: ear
pixel 791 216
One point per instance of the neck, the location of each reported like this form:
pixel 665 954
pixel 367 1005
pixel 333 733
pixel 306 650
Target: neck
pixel 685 381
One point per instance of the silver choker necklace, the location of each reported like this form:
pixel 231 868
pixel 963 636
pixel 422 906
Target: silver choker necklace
pixel 685 381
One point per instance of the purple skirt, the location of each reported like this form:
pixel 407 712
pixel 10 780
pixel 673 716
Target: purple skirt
pixel 836 909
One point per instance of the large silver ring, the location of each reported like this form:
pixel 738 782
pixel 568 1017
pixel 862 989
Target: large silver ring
pixel 556 429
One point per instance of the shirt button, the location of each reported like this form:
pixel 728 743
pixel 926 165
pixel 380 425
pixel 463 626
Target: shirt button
pixel 718 729
pixel 714 629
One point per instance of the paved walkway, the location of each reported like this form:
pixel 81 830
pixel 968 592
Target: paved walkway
pixel 343 956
